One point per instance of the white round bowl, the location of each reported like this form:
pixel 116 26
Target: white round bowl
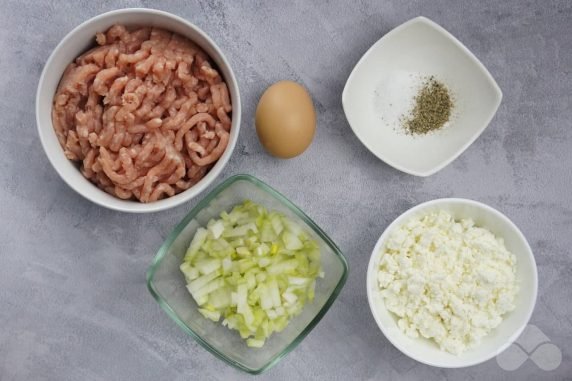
pixel 427 351
pixel 79 40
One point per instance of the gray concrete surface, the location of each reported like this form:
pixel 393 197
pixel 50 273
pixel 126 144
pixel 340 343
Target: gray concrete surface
pixel 73 301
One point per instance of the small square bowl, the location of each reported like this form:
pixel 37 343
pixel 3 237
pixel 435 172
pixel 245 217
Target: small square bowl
pixel 379 91
pixel 167 284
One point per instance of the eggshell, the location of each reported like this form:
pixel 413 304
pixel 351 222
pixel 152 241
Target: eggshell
pixel 285 119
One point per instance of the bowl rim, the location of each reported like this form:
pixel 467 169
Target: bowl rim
pixel 371 276
pixel 194 211
pixel 128 205
pixel 463 147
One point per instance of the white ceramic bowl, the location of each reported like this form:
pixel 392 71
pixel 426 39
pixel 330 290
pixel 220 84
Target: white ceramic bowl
pixel 381 87
pixel 513 323
pixel 79 40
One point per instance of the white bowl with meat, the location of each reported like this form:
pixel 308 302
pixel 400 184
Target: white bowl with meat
pixel 138 110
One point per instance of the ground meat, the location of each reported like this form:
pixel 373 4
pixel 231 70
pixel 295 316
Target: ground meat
pixel 145 113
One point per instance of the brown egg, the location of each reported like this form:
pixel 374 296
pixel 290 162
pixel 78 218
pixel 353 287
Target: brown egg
pixel 285 119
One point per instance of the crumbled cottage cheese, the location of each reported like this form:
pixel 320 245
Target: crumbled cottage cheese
pixel 447 280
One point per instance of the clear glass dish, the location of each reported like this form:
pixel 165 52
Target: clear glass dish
pixel 167 284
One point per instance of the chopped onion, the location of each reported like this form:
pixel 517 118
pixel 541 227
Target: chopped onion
pixel 253 268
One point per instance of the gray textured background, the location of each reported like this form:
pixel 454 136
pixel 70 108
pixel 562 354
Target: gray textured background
pixel 73 301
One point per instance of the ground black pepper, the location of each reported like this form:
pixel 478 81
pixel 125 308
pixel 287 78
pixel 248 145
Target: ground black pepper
pixel 433 105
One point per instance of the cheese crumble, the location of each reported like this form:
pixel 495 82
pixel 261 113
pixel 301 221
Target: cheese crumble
pixel 447 280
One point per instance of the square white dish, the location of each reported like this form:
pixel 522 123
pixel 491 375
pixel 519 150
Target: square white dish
pixel 379 91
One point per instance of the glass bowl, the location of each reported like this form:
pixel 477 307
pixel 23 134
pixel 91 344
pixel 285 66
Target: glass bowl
pixel 167 284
